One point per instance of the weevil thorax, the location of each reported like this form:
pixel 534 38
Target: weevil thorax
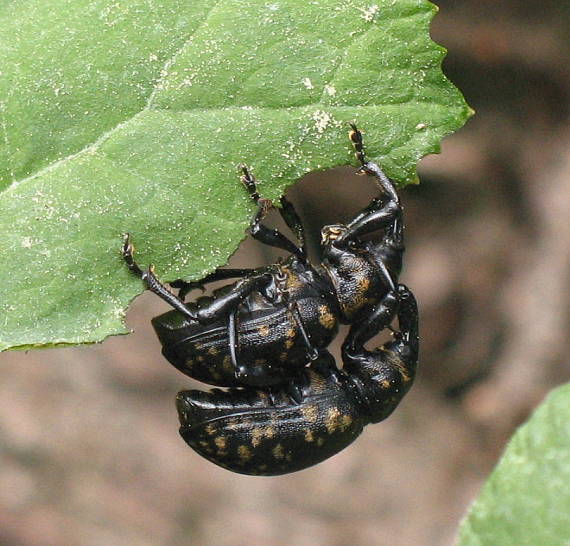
pixel 353 275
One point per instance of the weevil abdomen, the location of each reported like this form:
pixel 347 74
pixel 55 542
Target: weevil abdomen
pixel 253 432
pixel 269 340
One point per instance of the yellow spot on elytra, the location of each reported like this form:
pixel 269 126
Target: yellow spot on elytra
pixel 289 343
pixel 278 452
pixel 210 429
pixel 320 441
pixel 244 454
pixel 256 436
pixel 311 413
pixel 385 384
pixel 213 351
pixel 263 330
pixel 337 421
pixel 309 436
pixel 283 356
pixel 396 362
pixel 332 420
pixel 221 442
pixel 326 318
pixel 259 433
pixel 291 333
pixel 227 364
pixel 269 432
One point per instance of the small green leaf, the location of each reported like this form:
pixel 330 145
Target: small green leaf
pixel 133 116
pixel 526 501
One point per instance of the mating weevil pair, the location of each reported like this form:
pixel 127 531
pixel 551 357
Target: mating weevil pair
pixel 266 336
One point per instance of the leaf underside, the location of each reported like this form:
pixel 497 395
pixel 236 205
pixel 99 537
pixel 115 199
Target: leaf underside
pixel 526 501
pixel 132 117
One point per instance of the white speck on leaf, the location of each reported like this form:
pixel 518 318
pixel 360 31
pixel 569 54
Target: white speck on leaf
pixel 369 13
pixel 186 82
pixel 308 84
pixel 322 120
pixel 330 90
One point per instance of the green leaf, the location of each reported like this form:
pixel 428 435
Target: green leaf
pixel 526 501
pixel 133 116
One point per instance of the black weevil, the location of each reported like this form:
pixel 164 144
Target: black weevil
pixel 264 330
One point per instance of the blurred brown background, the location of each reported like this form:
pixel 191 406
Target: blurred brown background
pixel 89 449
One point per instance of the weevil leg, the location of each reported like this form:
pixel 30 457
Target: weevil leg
pixel 223 305
pixel 381 316
pixel 233 338
pixel 312 351
pixel 219 307
pixel 408 322
pixel 241 371
pixel 218 275
pixel 294 223
pixel 268 236
pixel 251 375
pixel 248 375
pixel 355 136
pixel 323 366
pixel 295 392
pixel 151 280
pixel 381 212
